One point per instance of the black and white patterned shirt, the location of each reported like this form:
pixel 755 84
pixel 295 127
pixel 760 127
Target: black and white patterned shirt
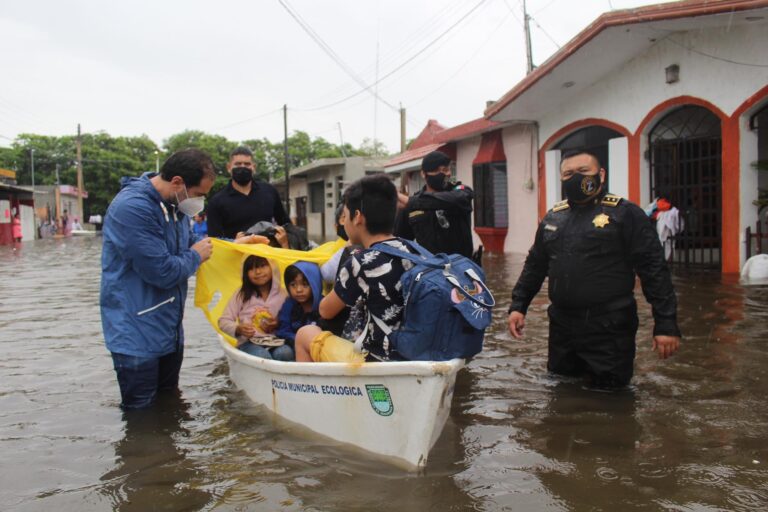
pixel 371 279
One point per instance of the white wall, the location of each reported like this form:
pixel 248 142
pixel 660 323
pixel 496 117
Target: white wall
pixel 552 188
pixel 618 163
pixel 627 95
pixel 27 217
pixel 749 182
pixel 466 151
pixel 522 161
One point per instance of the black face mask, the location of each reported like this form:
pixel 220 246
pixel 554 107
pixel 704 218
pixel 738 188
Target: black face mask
pixel 342 233
pixel 242 175
pixel 439 181
pixel 580 188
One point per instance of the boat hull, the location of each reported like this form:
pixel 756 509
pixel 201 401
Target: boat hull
pixel 394 410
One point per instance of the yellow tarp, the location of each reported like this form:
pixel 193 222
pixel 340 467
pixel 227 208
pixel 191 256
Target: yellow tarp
pixel 221 276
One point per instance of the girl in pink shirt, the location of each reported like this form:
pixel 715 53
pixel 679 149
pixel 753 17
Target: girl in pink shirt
pixel 252 311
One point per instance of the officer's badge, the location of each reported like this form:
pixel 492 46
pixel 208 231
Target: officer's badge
pixel 601 220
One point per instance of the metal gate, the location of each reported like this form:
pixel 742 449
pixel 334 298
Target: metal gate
pixel 686 169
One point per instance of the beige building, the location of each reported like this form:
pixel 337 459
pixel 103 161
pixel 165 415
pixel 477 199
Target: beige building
pixel 316 188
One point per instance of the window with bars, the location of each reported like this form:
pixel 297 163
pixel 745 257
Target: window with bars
pixel 490 185
pixel 316 197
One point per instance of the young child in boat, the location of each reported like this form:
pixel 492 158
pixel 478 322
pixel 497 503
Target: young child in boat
pixel 252 311
pixel 370 279
pixel 305 288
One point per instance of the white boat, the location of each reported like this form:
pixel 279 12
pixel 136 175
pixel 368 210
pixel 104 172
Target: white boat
pixel 83 232
pixel 394 410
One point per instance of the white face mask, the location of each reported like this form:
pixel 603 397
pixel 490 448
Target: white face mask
pixel 190 206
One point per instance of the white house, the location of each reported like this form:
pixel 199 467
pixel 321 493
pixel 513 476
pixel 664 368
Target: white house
pixel 674 99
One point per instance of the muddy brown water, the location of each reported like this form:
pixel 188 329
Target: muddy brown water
pixel 689 435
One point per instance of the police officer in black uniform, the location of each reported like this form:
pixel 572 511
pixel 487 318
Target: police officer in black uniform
pixel 591 246
pixel 439 216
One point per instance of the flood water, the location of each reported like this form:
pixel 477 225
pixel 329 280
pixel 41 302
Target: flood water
pixel 689 435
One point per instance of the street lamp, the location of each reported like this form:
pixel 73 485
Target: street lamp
pixel 157 161
pixel 32 163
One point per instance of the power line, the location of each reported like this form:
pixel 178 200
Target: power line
pixel 403 64
pixel 715 57
pixel 330 52
pixel 254 118
pixel 393 55
pixel 530 17
pixel 544 31
pixel 543 8
pixel 470 59
pixel 20 111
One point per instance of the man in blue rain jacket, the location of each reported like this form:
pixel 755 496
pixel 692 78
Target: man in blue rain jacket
pixel 149 253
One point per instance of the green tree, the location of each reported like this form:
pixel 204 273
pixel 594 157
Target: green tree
pixel 372 148
pixel 107 159
pixel 217 146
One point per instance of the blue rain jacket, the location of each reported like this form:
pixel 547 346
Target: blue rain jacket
pixel 146 261
pixel 292 316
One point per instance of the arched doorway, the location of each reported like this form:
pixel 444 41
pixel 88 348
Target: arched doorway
pixel 686 168
pixel 593 139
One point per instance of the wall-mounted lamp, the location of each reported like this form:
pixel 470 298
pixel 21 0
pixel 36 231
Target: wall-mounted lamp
pixel 672 73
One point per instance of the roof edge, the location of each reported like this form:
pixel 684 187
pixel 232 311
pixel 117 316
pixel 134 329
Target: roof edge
pixel 649 13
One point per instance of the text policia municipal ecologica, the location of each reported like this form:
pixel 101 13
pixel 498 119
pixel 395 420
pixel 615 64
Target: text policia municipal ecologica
pixel 318 390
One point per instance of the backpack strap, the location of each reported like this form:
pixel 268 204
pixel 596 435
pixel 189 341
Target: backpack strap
pixel 397 253
pixel 360 339
pixel 421 259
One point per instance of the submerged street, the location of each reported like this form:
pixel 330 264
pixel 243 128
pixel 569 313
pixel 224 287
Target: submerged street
pixel 688 435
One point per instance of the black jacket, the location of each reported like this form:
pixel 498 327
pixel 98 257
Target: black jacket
pixel 230 211
pixel 591 254
pixel 439 221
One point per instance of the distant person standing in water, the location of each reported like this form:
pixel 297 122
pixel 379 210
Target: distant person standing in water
pixel 16 228
pixel 439 216
pixel 200 225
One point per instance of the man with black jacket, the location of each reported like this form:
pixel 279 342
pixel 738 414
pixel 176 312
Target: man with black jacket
pixel 439 216
pixel 590 246
pixel 244 201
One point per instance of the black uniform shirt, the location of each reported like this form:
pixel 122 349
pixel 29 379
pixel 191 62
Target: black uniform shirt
pixel 591 254
pixel 439 221
pixel 230 211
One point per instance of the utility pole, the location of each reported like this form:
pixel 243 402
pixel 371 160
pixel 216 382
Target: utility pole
pixel 57 174
pixel 402 128
pixel 285 157
pixel 80 188
pixel 32 165
pixel 528 50
pixel 341 138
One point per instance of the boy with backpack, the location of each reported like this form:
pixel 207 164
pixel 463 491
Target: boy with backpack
pixel 369 276
pixel 441 301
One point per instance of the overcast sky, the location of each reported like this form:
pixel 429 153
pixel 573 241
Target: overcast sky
pixel 228 66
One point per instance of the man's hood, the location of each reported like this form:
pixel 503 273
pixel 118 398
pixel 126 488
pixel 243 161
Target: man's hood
pixel 141 185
